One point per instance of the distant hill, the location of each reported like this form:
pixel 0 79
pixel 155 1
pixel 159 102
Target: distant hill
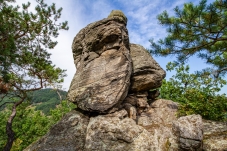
pixel 45 95
pixel 44 99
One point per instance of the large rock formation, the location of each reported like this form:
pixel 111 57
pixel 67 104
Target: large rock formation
pixel 115 108
pixel 103 62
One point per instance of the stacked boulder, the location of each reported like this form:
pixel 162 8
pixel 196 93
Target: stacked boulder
pixel 116 109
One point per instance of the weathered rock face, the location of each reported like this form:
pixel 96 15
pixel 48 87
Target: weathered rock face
pixel 215 136
pixel 113 112
pixel 158 122
pixel 135 104
pixel 116 132
pixel 189 132
pixel 147 74
pixel 103 62
pixel 153 130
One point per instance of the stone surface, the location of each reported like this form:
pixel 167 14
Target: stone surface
pixel 67 135
pixel 189 131
pixel 116 132
pixel 147 73
pixel 158 121
pixel 215 136
pixel 103 62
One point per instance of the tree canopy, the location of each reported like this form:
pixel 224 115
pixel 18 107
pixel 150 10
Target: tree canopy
pixel 25 63
pixel 196 30
pixel 24 37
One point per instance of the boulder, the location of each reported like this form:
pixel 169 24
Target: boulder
pixel 189 131
pixel 167 131
pixel 147 73
pixel 104 66
pixel 67 135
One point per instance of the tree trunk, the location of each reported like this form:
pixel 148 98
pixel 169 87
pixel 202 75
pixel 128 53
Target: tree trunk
pixel 10 134
pixel 60 97
pixel 9 130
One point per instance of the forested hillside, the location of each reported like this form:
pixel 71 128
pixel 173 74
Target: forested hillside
pixel 46 94
pixel 44 99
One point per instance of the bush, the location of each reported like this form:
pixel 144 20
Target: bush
pixel 197 94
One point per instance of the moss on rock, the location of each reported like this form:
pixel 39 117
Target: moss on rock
pixel 118 14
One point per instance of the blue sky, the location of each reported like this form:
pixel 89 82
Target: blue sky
pixel 142 26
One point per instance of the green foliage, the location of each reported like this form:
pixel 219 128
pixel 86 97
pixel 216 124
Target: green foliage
pixel 3 118
pixel 24 37
pixel 59 112
pixel 30 125
pixel 6 100
pixel 46 99
pixel 43 100
pixel 196 94
pixel 196 30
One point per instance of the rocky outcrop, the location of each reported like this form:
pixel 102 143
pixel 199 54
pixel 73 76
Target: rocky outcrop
pixel 115 108
pixel 152 131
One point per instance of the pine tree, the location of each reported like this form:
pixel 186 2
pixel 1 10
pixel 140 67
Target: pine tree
pixel 196 30
pixel 25 63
